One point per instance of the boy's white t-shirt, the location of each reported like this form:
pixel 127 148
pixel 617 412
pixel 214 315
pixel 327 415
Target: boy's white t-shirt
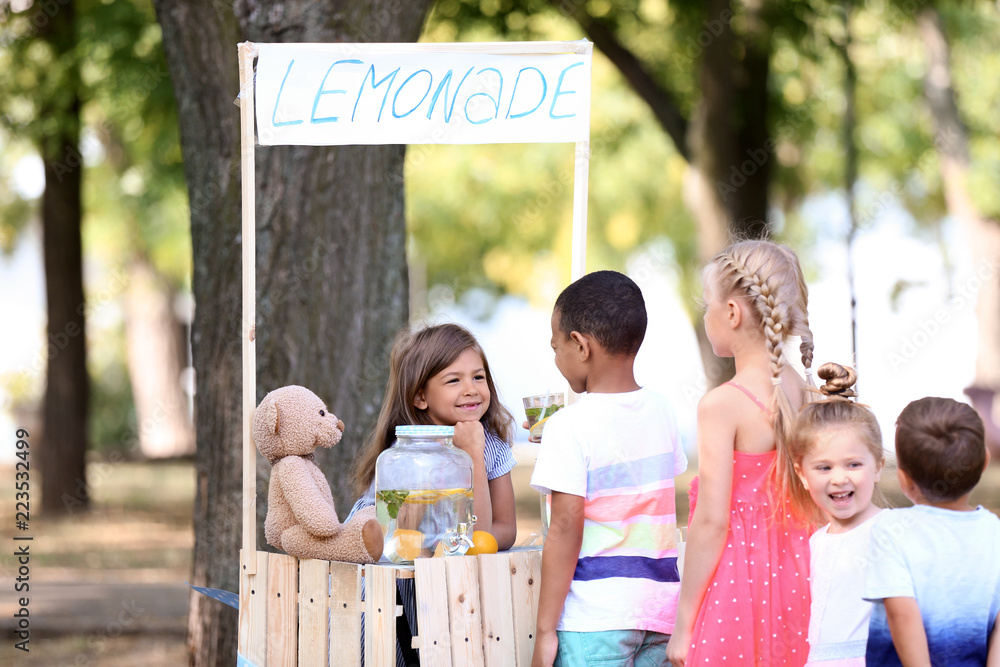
pixel 620 452
pixel 839 615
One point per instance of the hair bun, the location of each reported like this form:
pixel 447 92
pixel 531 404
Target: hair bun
pixel 839 380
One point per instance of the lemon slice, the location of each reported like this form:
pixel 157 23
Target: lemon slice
pixel 406 544
pixel 536 430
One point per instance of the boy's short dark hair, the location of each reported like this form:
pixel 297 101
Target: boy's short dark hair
pixel 940 445
pixel 608 306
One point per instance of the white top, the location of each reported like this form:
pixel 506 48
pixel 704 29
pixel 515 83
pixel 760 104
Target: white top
pixel 620 452
pixel 838 618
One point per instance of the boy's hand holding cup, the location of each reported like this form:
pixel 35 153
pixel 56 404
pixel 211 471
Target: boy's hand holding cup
pixel 539 408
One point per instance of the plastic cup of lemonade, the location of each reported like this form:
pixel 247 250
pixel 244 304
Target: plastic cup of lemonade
pixel 539 408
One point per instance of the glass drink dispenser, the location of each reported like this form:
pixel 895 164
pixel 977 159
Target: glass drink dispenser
pixel 423 495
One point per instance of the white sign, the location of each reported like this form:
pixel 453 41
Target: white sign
pixel 472 93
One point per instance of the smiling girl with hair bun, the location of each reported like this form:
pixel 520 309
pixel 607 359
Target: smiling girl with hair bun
pixel 837 448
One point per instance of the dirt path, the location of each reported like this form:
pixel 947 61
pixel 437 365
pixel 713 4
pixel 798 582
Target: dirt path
pixel 74 621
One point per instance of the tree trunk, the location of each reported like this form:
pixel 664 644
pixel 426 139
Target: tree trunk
pixel 155 349
pixel 331 265
pixel 62 459
pixel 952 143
pixel 726 188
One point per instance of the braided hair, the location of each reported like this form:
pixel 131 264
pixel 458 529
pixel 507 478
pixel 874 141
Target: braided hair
pixel 768 276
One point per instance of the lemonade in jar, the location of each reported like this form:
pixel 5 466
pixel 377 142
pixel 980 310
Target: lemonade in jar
pixel 423 495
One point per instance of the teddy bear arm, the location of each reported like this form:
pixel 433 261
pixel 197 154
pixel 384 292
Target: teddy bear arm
pixel 279 514
pixel 308 495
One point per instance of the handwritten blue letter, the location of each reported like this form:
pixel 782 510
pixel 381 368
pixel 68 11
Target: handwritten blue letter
pixel 555 96
pixel 321 92
pixel 274 112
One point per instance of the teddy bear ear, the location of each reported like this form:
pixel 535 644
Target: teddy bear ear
pixel 269 416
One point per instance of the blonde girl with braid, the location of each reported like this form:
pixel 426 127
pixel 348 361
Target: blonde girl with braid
pixel 744 596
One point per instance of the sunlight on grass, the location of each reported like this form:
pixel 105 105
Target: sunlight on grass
pixel 140 519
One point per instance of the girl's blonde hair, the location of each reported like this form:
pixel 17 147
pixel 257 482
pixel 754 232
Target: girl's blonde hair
pixel 416 357
pixel 768 276
pixel 834 410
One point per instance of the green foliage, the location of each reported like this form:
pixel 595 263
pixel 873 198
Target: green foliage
pixel 15 209
pixel 975 64
pixel 636 176
pixel 136 192
pixel 499 217
pixel 112 421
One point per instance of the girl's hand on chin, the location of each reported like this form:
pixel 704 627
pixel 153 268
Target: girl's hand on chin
pixel 470 438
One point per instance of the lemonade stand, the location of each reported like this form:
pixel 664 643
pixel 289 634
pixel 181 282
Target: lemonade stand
pixel 472 610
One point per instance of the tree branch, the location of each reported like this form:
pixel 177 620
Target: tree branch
pixel 664 107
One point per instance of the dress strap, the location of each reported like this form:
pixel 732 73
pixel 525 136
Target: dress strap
pixel 753 398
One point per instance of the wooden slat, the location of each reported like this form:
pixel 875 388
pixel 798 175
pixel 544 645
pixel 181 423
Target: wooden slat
pixel 432 618
pixel 380 616
pixel 525 576
pixel 282 599
pixel 495 601
pixel 314 613
pixel 464 611
pixel 345 614
pixel 253 609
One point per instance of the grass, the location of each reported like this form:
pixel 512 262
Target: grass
pixel 140 518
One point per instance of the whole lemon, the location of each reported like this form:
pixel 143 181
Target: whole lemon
pixel 482 543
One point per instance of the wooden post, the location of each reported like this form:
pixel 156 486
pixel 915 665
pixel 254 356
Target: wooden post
pixel 248 51
pixel 525 582
pixel 578 264
pixel 432 617
pixel 253 604
pixel 464 611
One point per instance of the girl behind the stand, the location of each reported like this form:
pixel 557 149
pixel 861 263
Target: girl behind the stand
pixel 837 448
pixel 745 592
pixel 439 375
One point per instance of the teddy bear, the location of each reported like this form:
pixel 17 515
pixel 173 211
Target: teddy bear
pixel 288 425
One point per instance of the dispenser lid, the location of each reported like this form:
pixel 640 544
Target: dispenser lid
pixel 424 430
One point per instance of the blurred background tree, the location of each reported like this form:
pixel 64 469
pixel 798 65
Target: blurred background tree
pixel 109 109
pixel 41 77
